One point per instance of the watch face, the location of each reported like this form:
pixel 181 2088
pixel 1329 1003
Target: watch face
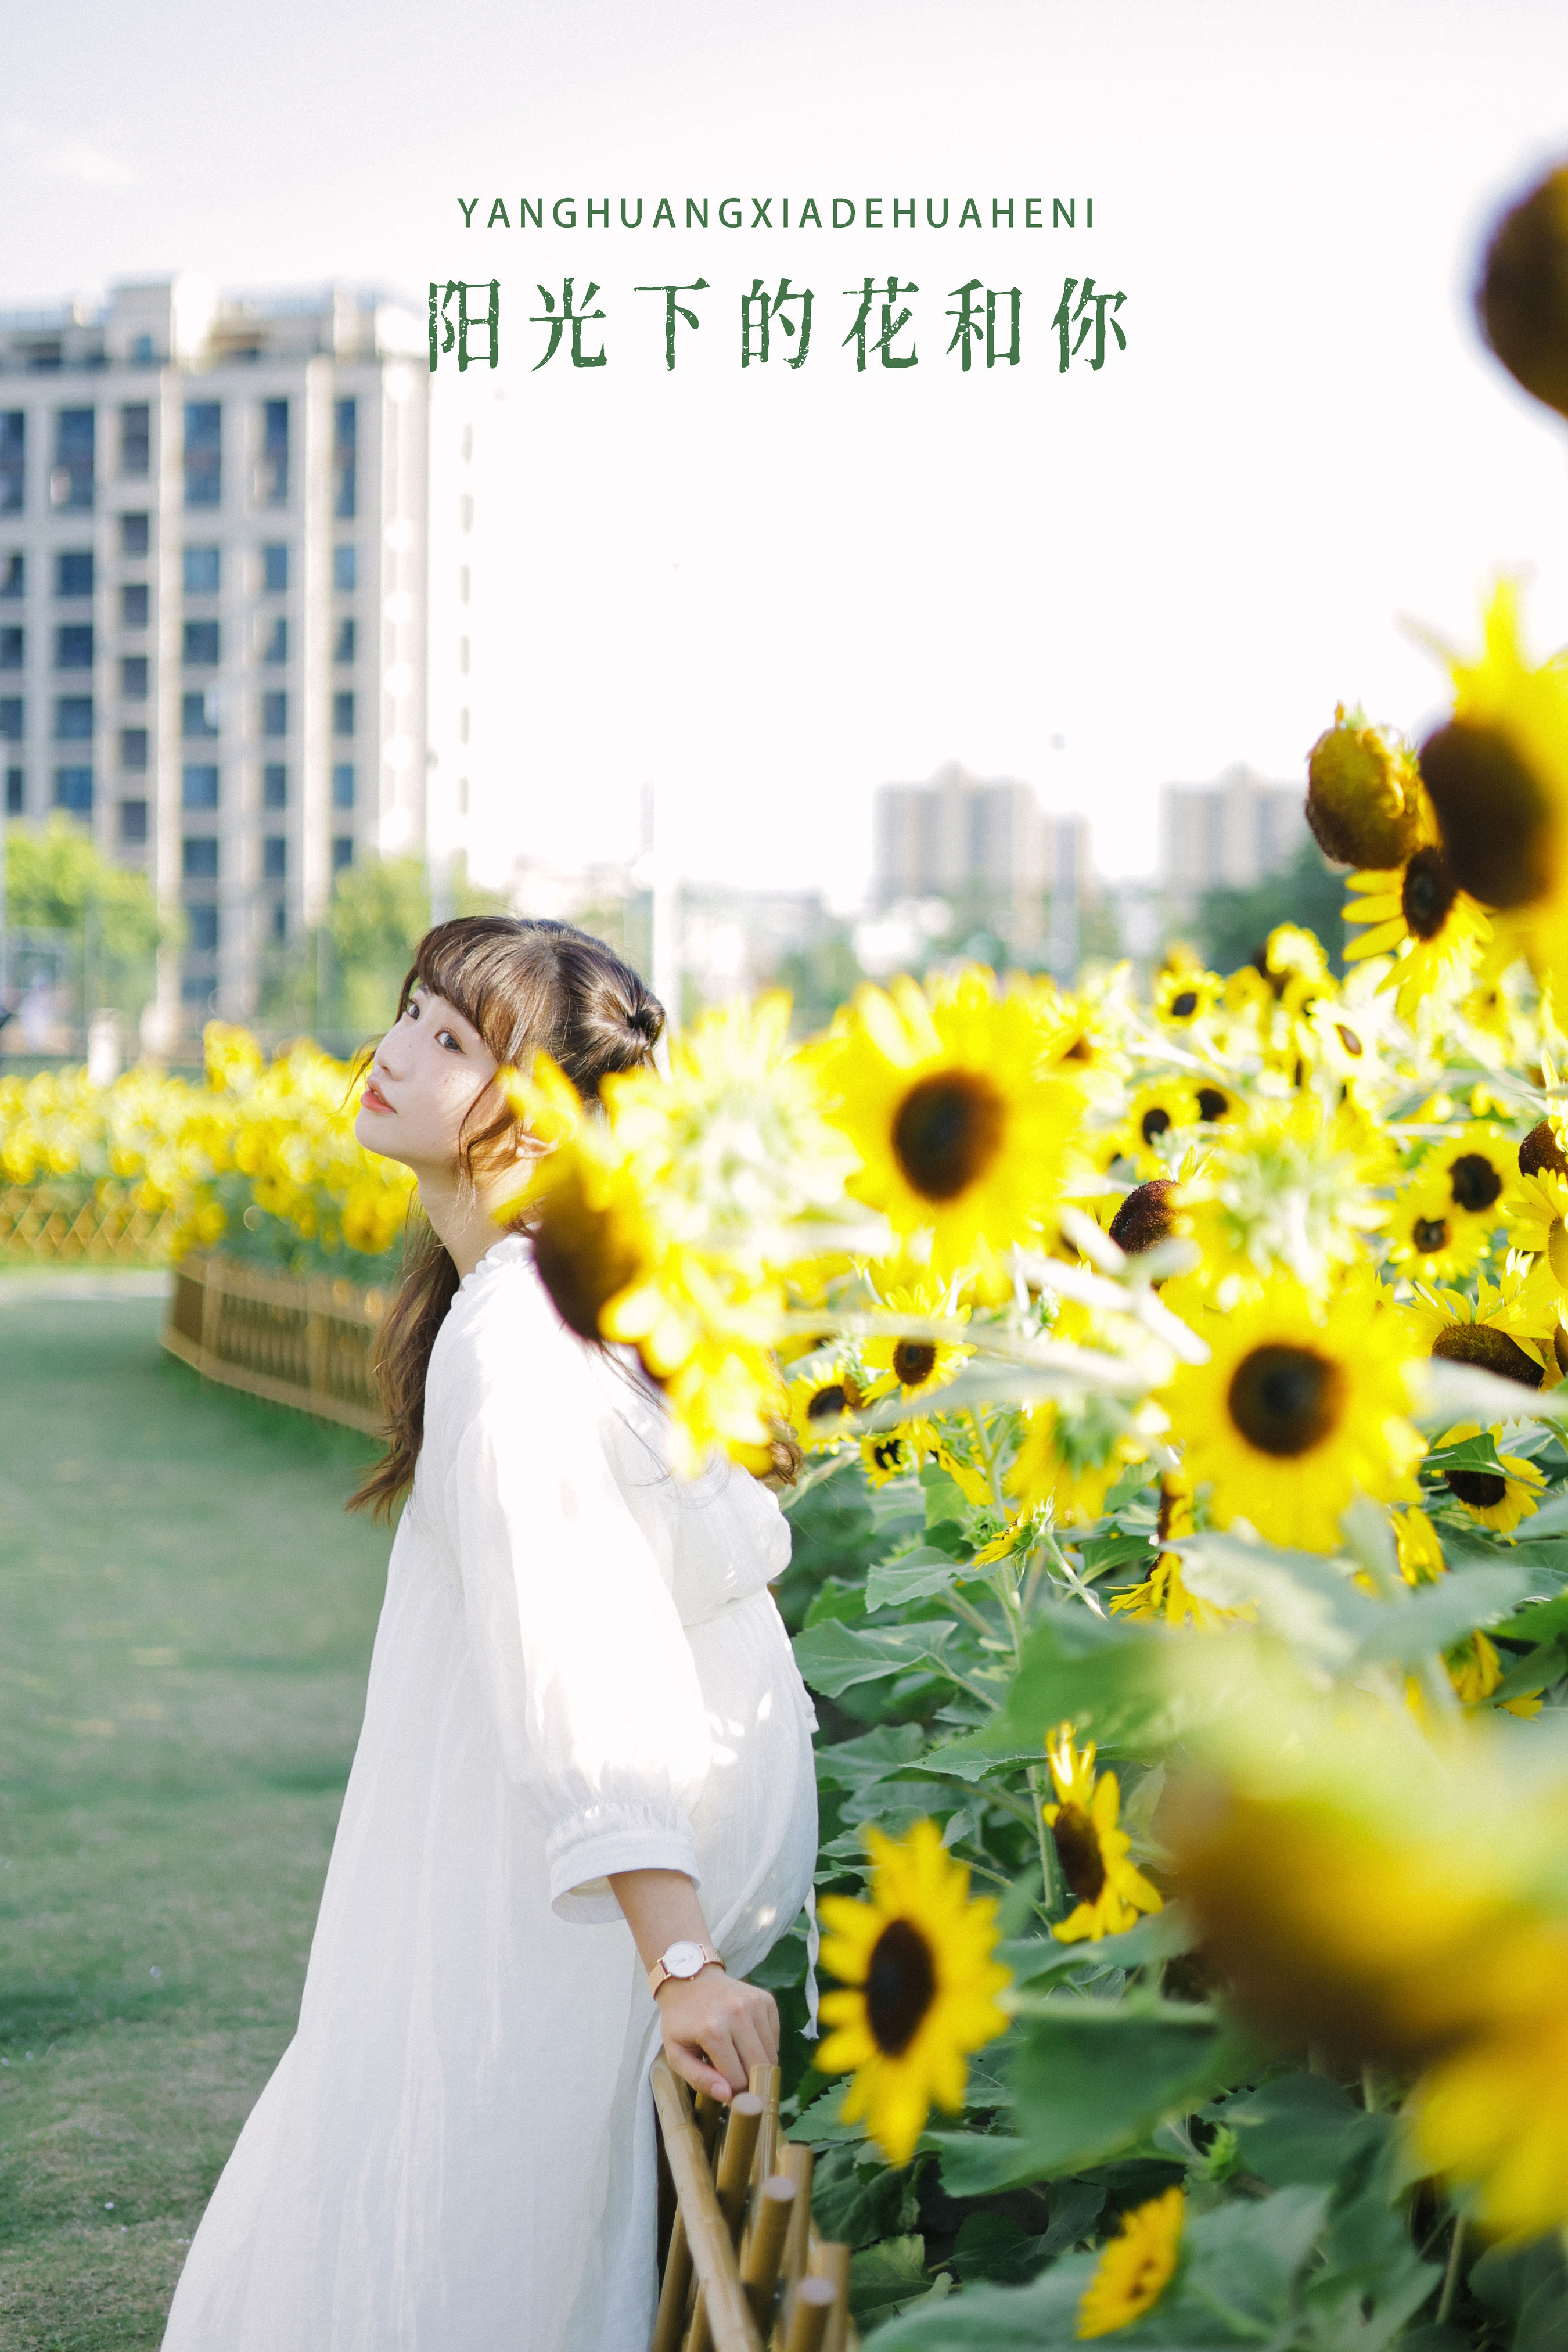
pixel 684 1960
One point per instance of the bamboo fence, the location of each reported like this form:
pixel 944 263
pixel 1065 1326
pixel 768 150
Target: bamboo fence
pixel 310 1344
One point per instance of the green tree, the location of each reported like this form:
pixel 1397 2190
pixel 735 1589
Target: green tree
pixel 820 976
pixel 1233 924
pixel 57 880
pixel 379 913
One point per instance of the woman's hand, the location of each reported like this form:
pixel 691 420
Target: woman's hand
pixel 716 2029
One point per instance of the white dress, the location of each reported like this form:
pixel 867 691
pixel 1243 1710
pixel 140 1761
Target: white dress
pixel 578 1669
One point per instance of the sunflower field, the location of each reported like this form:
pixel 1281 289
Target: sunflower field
pixel 1170 1401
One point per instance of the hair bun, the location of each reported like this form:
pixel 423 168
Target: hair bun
pixel 648 1020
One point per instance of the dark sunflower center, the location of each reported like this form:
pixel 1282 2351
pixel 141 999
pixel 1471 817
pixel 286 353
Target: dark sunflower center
pixel 1144 1217
pixel 829 1402
pixel 1428 893
pixel 583 1257
pixel 914 1361
pixel 1155 1122
pixel 1348 1039
pixel 1083 1864
pixel 1494 1352
pixel 1497 835
pixel 948 1131
pixel 1429 1233
pixel 1542 1149
pixel 1482 1489
pixel 1211 1103
pixel 888 1454
pixel 1183 1006
pixel 1286 1400
pixel 900 1985
pixel 1080 1050
pixel 1475 1181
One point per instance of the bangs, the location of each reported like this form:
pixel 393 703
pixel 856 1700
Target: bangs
pixel 473 966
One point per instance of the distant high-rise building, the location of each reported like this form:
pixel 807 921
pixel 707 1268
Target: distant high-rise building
pixel 989 844
pixel 1229 835
pixel 213 601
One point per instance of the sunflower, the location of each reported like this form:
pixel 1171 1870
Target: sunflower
pixel 1507 1327
pixel 1420 1551
pixel 913 1368
pixel 889 1453
pixel 1185 995
pixel 919 1986
pixel 1072 1454
pixel 1135 2267
pixel 1429 1237
pixel 1154 1118
pixel 1480 1165
pixel 961 1129
pixel 819 1404
pixel 1090 1848
pixel 1497 1498
pixel 1497 775
pixel 1162 1593
pixel 1418 914
pixel 1297 1407
pixel 1541 1221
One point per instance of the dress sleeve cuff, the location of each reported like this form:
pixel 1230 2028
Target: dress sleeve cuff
pixel 583 1853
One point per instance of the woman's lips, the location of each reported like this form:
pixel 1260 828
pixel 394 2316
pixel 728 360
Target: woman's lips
pixel 372 1100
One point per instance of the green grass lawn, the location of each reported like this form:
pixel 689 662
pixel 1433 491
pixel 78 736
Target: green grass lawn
pixel 185 1624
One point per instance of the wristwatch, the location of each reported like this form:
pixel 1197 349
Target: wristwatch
pixel 684 1960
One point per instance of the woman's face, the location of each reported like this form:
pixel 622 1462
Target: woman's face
pixel 428 1070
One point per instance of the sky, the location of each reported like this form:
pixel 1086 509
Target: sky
pixel 765 591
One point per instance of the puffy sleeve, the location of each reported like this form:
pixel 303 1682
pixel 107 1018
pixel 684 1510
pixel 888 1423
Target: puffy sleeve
pixel 578 1643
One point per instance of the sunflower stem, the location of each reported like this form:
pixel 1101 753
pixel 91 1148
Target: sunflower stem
pixel 1451 2274
pixel 1051 1895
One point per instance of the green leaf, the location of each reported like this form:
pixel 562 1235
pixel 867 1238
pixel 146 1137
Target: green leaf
pixel 1303 2131
pixel 1469 1454
pixel 857 1764
pixel 822 2122
pixel 1538 1620
pixel 1160 1938
pixel 855 2203
pixel 838 1601
pixel 1112 1679
pixel 1091 2080
pixel 886 2277
pixel 1437 1615
pixel 833 1658
pixel 913 1576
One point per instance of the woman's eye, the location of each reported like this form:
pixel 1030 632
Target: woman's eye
pixel 447 1038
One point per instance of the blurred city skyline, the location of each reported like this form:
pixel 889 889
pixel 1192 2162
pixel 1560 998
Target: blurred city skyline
pixel 767 593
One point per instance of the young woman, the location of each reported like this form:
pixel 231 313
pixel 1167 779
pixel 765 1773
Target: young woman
pixel 582 1806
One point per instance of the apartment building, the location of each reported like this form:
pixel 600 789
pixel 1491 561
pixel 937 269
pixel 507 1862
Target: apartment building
pixel 1227 835
pixel 961 839
pixel 214 603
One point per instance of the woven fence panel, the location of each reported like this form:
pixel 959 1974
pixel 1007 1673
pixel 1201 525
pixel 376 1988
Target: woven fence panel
pixel 107 1229
pixel 310 1344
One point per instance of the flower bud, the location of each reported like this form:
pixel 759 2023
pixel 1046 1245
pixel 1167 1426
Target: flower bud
pixel 1364 794
pixel 1522 299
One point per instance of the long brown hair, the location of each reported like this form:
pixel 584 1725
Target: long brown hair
pixel 524 985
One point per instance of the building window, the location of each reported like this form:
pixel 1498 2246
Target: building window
pixel 73 645
pixel 344 642
pixel 12 719
pixel 201 571
pixel 16 792
pixel 274 571
pixel 73 572
pixel 73 790
pixel 204 453
pixel 198 787
pixel 198 857
pixel 462 657
pixel 463 725
pixel 199 644
pixel 275 858
pixel 13 644
pixel 345 571
pixel 275 640
pixel 272 475
pixel 343 714
pixel 133 750
pixel 345 435
pixel 76 442
pixel 133 604
pixel 274 714
pixel 462 583
pixel 13 459
pixel 462 796
pixel 279 919
pixel 342 852
pixel 275 785
pixel 133 677
pixel 135 440
pixel 14 576
pixel 134 534
pixel 203 921
pixel 343 786
pixel 132 824
pixel 73 719
pixel 198 714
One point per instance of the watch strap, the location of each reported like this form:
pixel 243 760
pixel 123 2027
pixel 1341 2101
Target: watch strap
pixel 659 1975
